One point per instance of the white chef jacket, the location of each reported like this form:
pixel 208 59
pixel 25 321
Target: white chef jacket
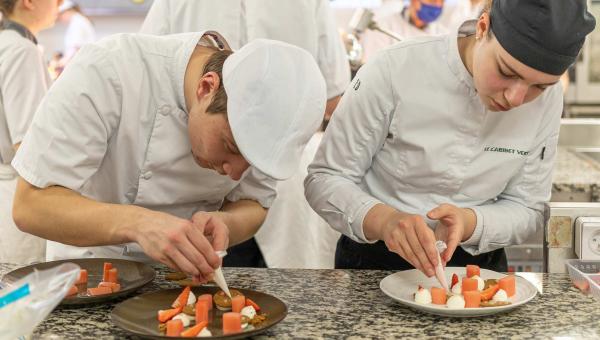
pixel 120 135
pixel 374 41
pixel 308 24
pixel 80 31
pixel 23 82
pixel 293 235
pixel 412 133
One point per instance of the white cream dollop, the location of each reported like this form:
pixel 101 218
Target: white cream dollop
pixel 191 299
pixel 205 332
pixel 185 319
pixel 248 312
pixel 457 288
pixel 423 296
pixel 480 282
pixel 500 296
pixel 456 302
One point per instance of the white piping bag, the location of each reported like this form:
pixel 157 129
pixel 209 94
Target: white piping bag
pixel 218 275
pixel 439 269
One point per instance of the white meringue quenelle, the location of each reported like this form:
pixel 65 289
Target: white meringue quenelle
pixel 480 282
pixel 423 296
pixel 204 333
pixel 191 299
pixel 500 296
pixel 185 319
pixel 457 288
pixel 456 302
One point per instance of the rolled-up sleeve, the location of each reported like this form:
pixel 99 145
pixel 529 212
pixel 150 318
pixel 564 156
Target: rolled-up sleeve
pixel 69 135
pixel 255 186
pixel 356 133
pixel 331 58
pixel 519 210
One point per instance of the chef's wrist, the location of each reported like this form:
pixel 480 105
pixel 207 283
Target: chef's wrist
pixel 376 221
pixel 469 222
pixel 135 220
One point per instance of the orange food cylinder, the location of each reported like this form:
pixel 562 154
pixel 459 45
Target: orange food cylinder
pixel 99 291
pixel 72 291
pixel 174 327
pixel 209 300
pixel 468 284
pixel 472 298
pixel 232 323
pixel 473 270
pixel 237 303
pixel 508 284
pixel 107 266
pixel 83 277
pixel 202 311
pixel 112 275
pixel 438 296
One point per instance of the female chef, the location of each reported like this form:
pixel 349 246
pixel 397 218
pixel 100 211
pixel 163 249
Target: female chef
pixel 450 138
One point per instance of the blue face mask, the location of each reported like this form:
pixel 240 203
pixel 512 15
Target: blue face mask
pixel 428 13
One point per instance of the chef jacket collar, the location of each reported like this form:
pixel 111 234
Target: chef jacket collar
pixel 454 60
pixel 7 24
pixel 183 55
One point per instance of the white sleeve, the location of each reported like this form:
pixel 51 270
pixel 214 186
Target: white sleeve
pixel 69 135
pixel 255 186
pixel 23 85
pixel 354 136
pixel 157 19
pixel 519 209
pixel 331 58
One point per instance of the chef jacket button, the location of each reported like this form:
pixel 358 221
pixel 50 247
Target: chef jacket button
pixel 147 175
pixel 165 110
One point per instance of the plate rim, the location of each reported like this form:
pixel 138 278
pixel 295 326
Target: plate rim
pixel 230 336
pixel 85 300
pixel 476 312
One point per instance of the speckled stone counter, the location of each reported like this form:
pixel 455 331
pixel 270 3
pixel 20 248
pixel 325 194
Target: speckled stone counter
pixel 575 177
pixel 333 304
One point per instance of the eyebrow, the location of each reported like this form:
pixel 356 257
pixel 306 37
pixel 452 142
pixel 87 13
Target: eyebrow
pixel 517 74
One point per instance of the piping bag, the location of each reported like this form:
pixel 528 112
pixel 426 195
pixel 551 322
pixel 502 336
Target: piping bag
pixel 439 269
pixel 218 275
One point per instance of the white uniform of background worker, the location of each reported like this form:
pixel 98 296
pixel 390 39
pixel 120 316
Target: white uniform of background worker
pixel 135 138
pixel 24 81
pixel 293 235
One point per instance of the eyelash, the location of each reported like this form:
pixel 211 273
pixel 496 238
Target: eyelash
pixel 539 87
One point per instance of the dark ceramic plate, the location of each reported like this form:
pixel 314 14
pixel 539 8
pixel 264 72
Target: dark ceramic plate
pixel 132 276
pixel 138 315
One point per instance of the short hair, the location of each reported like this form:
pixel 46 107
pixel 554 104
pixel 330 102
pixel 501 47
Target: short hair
pixel 215 64
pixel 7 7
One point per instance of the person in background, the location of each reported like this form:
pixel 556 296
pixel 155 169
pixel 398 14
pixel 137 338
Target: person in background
pixel 170 156
pixel 450 138
pixel 458 11
pixel 416 18
pixel 80 29
pixel 292 235
pixel 24 81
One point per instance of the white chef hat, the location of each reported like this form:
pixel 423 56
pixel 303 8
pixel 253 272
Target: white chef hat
pixel 275 102
pixel 66 5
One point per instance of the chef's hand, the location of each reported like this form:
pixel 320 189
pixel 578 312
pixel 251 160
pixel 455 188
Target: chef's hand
pixel 181 244
pixel 454 226
pixel 216 232
pixel 410 237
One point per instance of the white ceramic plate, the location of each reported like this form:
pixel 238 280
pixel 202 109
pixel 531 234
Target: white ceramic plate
pixel 402 285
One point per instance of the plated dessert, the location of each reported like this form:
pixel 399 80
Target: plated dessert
pixel 191 316
pixel 469 291
pixel 108 285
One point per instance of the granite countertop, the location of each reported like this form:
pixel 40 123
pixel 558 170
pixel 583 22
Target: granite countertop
pixel 349 304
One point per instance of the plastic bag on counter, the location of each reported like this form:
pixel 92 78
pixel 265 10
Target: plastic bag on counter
pixel 27 302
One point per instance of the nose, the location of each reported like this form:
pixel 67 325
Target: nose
pixel 516 93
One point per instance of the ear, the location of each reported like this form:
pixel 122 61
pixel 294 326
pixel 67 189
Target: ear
pixel 208 85
pixel 28 4
pixel 483 25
